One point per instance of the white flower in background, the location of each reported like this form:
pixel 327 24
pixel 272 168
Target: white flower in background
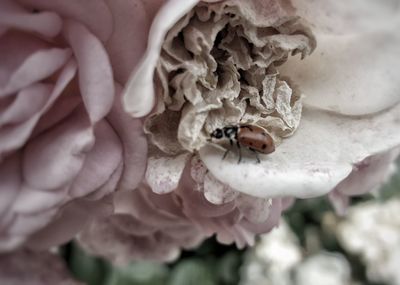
pixel 278 259
pixel 323 268
pixel 372 230
pixel 273 258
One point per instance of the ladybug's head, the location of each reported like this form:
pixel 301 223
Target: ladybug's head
pixel 217 134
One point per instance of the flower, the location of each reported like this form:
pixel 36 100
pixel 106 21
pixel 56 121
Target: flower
pixel 65 143
pixel 150 226
pixel 371 231
pixel 346 116
pixel 209 64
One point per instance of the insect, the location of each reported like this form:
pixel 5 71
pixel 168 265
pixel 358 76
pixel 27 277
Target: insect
pixel 254 137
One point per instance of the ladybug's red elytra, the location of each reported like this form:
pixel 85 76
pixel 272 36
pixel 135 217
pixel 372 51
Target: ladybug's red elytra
pixel 254 137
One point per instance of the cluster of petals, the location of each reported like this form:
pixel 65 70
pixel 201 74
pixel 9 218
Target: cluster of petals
pixel 73 154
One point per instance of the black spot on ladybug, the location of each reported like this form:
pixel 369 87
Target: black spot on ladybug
pixel 264 146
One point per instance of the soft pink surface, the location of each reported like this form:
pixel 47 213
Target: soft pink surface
pixel 63 137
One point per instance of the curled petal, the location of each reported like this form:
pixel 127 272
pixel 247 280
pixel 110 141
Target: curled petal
pixel 47 24
pixel 36 67
pixel 139 96
pixel 93 14
pixel 100 163
pixel 311 163
pixel 95 73
pixel 131 27
pixel 15 136
pixel 163 174
pixel 52 159
pixel 366 176
pixel 130 132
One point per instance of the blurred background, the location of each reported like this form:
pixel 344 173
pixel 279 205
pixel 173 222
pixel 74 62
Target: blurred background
pixel 311 246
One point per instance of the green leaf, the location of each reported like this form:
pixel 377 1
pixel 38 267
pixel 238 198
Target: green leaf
pixel 192 272
pixel 86 268
pixel 140 273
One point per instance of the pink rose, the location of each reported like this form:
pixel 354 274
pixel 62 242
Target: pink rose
pixel 327 119
pixel 65 142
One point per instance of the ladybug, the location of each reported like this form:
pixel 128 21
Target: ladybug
pixel 254 137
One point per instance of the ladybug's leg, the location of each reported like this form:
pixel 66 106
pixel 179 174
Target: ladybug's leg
pixel 240 152
pixel 256 154
pixel 225 154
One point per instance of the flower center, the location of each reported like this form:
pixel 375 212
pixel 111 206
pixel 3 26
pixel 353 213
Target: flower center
pixel 218 67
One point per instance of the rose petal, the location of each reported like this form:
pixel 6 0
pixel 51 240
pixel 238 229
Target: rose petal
pixel 73 218
pixel 36 67
pixel 27 103
pixel 15 136
pixel 95 74
pixel 93 14
pixel 53 158
pixel 369 174
pixel 47 24
pixel 138 98
pixel 100 163
pixel 25 225
pixel 130 132
pixel 128 40
pixel 314 160
pixel 163 174
pixel 354 69
pixel 34 201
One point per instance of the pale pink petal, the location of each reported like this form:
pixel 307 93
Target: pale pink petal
pixel 27 103
pixel 15 136
pixel 36 67
pixel 152 7
pixel 34 268
pixel 95 15
pixel 62 108
pixel 139 96
pixel 128 40
pixel 109 186
pixel 367 176
pixel 136 204
pixel 354 69
pixel 95 73
pixel 71 219
pixel 163 174
pixel 55 157
pixel 100 162
pixel 35 201
pixel 130 132
pixel 14 16
pixel 312 162
pixel 25 224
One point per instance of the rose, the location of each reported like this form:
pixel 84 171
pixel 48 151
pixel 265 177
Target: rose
pixel 330 139
pixel 65 142
pixel 334 137
pixel 179 202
